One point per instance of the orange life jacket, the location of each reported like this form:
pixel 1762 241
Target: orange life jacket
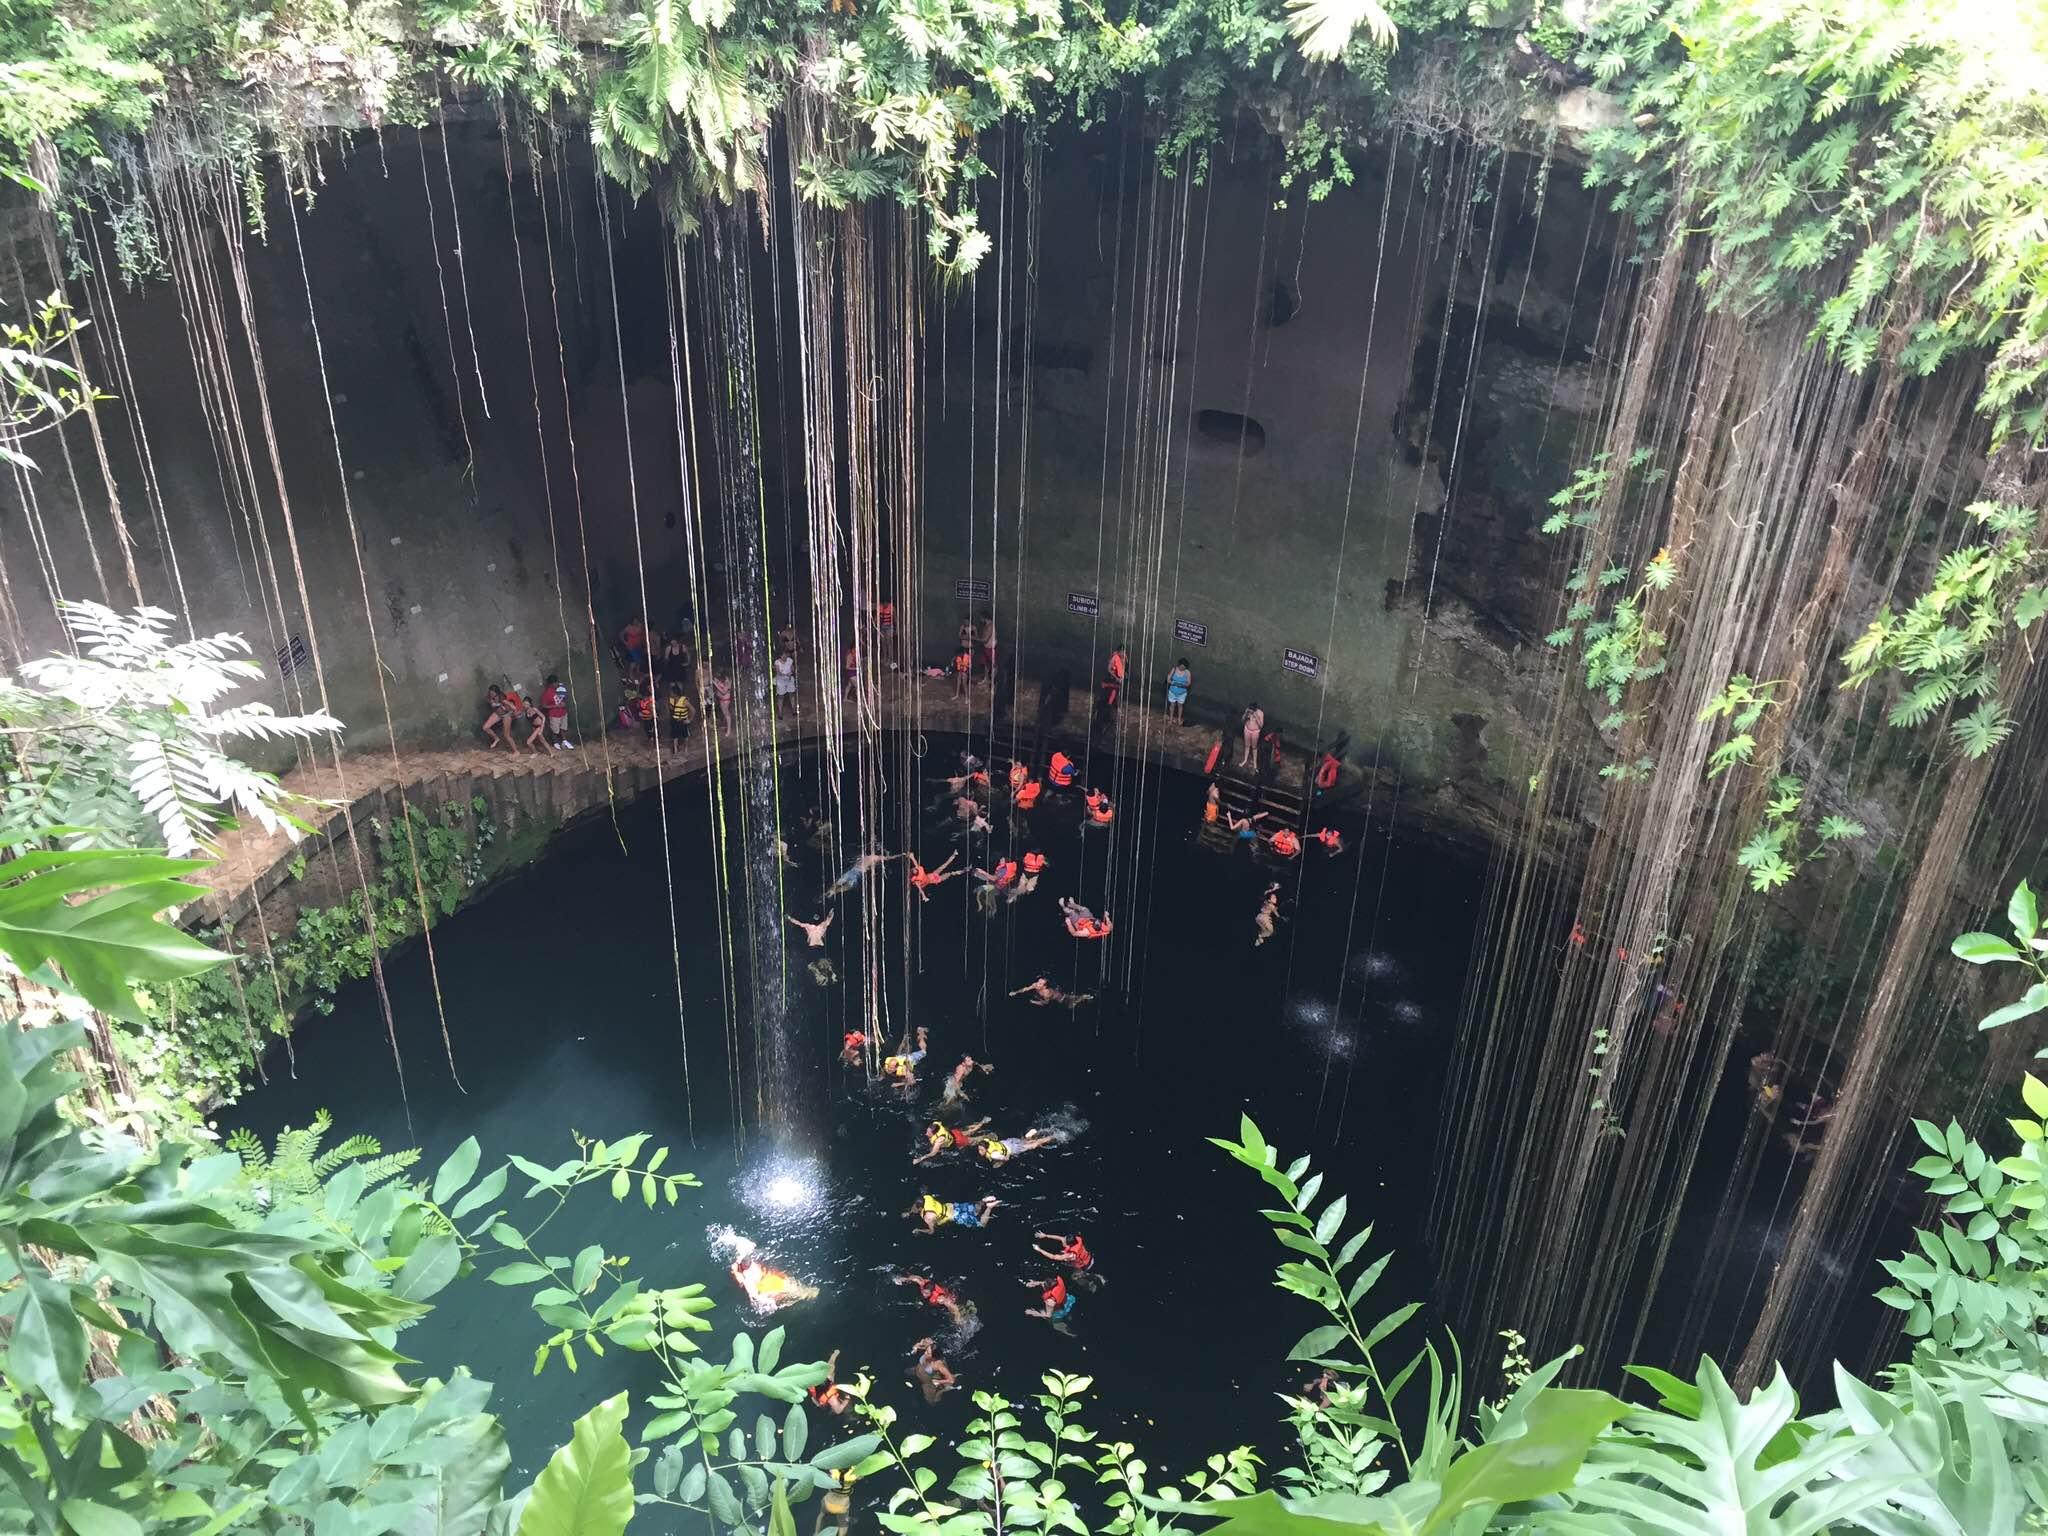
pixel 1286 844
pixel 1061 768
pixel 1005 871
pixel 1028 793
pixel 1034 863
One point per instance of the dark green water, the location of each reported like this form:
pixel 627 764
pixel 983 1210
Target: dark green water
pixel 561 1007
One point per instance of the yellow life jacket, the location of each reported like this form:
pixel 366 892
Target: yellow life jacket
pixel 993 1149
pixel 935 1208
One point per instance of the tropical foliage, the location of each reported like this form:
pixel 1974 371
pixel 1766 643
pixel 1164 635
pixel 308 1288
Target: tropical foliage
pixel 123 743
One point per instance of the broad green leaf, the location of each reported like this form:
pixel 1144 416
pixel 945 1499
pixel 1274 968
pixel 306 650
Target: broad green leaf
pixel 2023 912
pixel 457 1170
pixel 2034 1001
pixel 1983 948
pixel 1561 1424
pixel 462 1489
pixel 586 1489
pixel 796 1431
pixel 846 1453
pixel 427 1272
pixel 489 1188
pixel 1331 1220
pixel 89 1519
pixel 48 1349
pixel 1318 1342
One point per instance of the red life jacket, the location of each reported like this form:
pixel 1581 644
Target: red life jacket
pixel 1329 837
pixel 1286 844
pixel 1209 762
pixel 1062 769
pixel 853 1041
pixel 1034 863
pixel 1005 871
pixel 1100 811
pixel 1055 1293
pixel 1028 793
pixel 1076 1253
pixel 1326 772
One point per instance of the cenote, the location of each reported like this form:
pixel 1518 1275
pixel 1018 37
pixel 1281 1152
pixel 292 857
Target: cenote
pixel 561 1017
pixel 1408 632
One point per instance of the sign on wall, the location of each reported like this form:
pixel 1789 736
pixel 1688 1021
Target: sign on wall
pixel 1083 603
pixel 1188 632
pixel 1301 663
pixel 972 589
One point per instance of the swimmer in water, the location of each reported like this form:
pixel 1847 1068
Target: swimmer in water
pixel 1072 1252
pixel 941 1139
pixel 1100 812
pixel 1055 1301
pixel 1267 915
pixel 1044 994
pixel 956 1080
pixel 1000 1149
pixel 823 971
pixel 933 1376
pixel 850 1045
pixel 1082 923
pixel 852 877
pixel 1331 839
pixel 782 852
pixel 933 1294
pixel 828 1394
pixel 814 933
pixel 1283 842
pixel 922 879
pixel 1245 827
pixel 903 1065
pixel 934 1213
pixel 770 1290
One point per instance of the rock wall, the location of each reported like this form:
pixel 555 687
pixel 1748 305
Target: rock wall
pixel 1454 348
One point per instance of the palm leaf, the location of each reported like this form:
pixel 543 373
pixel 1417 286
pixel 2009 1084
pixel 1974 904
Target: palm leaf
pixel 1324 27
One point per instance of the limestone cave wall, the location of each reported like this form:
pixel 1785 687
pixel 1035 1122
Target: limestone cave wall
pixel 1362 430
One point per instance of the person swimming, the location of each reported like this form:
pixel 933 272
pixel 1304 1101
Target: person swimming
pixel 941 1139
pixel 1072 1251
pixel 1284 842
pixel 933 1294
pixel 1000 1149
pixel 933 1376
pixel 859 867
pixel 770 1290
pixel 1100 812
pixel 850 1046
pixel 934 1213
pixel 1055 1301
pixel 828 1394
pixel 956 1080
pixel 1331 839
pixel 922 879
pixel 1082 923
pixel 1267 915
pixel 814 933
pixel 903 1065
pixel 1044 994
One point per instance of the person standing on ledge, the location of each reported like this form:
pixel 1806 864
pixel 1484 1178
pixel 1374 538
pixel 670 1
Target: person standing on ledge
pixel 1253 724
pixel 1178 681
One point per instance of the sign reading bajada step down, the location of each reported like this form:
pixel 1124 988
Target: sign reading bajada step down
pixel 1301 663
